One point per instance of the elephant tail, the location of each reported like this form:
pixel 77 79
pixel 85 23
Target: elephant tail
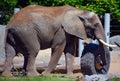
pixel 10 38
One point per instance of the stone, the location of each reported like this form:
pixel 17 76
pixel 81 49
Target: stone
pixel 2 43
pixel 100 77
pixel 113 40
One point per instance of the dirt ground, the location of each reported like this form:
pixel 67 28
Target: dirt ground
pixel 115 62
pixel 114 65
pixel 44 57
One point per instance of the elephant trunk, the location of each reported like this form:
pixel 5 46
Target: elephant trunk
pixel 103 51
pixel 100 36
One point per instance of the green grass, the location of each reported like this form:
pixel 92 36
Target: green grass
pixel 116 79
pixel 40 78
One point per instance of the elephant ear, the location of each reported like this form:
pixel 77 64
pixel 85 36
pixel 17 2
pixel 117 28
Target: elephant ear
pixel 72 24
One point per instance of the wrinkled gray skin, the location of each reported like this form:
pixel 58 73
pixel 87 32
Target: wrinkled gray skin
pixel 36 28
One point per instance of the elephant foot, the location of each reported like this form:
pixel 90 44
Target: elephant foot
pixel 33 73
pixel 74 75
pixel 69 73
pixel 7 74
pixel 46 73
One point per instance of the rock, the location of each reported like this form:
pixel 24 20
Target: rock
pixel 2 39
pixel 100 77
pixel 113 40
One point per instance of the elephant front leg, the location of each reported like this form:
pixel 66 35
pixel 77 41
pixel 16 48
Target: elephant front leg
pixel 56 54
pixel 69 58
pixel 10 53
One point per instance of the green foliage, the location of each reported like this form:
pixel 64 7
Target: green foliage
pixel 7 4
pixel 98 6
pixel 104 6
pixel 6 10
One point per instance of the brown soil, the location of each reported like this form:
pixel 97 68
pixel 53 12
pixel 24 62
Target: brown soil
pixel 115 62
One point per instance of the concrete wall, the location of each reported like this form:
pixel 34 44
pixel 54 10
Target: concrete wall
pixel 2 44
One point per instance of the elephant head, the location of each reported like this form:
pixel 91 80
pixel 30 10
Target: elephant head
pixel 85 24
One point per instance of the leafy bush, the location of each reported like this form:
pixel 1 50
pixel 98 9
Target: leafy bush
pixel 6 10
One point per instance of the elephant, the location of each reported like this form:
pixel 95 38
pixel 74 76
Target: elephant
pixel 36 28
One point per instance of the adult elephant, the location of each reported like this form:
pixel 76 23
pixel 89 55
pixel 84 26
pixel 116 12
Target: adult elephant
pixel 36 28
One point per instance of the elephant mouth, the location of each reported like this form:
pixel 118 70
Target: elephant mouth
pixel 106 44
pixel 92 36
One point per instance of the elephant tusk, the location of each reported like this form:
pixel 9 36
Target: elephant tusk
pixel 109 45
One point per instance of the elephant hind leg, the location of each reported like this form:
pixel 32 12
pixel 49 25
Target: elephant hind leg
pixel 28 44
pixel 10 54
pixel 29 68
pixel 32 48
pixel 29 65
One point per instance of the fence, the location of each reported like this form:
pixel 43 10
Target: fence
pixel 115 27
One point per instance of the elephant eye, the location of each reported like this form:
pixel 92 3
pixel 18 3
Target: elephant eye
pixel 96 25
